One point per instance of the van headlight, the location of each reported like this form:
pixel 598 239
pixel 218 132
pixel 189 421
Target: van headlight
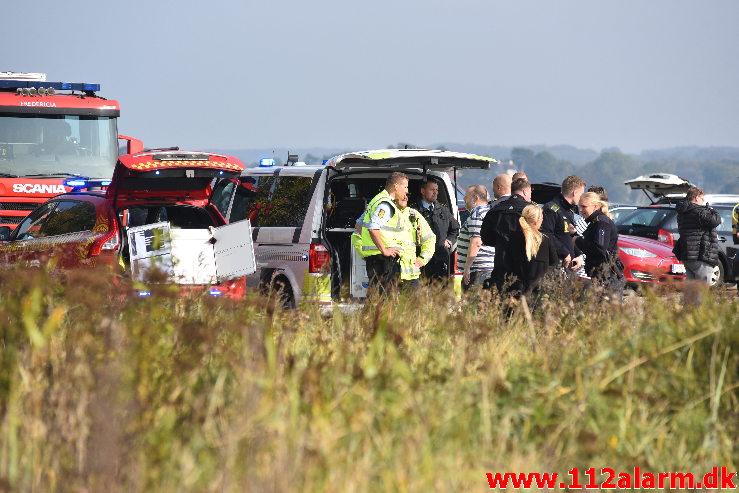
pixel 637 252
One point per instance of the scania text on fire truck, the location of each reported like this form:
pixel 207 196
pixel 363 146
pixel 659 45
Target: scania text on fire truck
pixel 54 137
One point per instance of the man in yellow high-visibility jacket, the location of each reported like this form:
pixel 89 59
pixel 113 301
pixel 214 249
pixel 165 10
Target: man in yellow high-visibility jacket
pixel 381 240
pixel 418 245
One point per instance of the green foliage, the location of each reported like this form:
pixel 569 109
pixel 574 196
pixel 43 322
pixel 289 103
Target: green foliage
pixel 104 393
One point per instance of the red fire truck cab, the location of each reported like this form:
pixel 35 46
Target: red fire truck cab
pixel 52 134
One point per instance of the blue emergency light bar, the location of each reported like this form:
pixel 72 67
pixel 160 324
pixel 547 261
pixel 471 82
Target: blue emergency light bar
pixel 266 162
pixel 57 86
pixel 75 183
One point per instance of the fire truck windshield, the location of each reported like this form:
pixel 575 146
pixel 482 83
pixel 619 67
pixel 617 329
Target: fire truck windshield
pixel 54 144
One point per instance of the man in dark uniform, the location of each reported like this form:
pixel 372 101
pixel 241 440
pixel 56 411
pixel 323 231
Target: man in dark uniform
pixel 444 226
pixel 499 225
pixel 559 221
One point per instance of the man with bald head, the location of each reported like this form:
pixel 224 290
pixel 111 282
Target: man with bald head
pixel 501 188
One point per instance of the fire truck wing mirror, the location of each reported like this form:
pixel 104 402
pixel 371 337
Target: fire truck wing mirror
pixel 5 233
pixel 133 146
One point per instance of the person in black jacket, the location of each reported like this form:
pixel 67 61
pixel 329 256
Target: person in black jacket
pixel 498 227
pixel 444 226
pixel 532 254
pixel 559 221
pixel 599 242
pixel 697 246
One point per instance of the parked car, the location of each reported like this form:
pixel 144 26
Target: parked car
pixel 303 216
pixel 659 222
pixel 645 261
pixel 158 192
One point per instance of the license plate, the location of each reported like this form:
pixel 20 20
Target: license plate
pixel 677 269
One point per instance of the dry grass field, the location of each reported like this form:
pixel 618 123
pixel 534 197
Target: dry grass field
pixel 99 392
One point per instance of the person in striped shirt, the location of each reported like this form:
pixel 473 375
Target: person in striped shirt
pixel 475 260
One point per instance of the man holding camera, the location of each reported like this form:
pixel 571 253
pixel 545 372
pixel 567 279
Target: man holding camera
pixel 697 246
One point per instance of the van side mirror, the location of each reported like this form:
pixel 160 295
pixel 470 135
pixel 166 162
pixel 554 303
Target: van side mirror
pixel 5 232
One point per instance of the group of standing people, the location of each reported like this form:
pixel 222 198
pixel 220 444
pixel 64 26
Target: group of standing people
pixel 508 242
pixel 531 240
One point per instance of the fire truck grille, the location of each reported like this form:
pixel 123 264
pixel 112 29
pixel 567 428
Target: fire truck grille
pixel 18 206
pixel 11 219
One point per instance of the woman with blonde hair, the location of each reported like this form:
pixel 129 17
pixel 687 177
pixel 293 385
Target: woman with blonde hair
pixel 541 253
pixel 599 241
pixel 533 253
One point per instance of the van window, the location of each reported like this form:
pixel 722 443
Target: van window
pixel 289 202
pixel 251 198
pixel 178 216
pixel 69 217
pixel 269 203
pixel 221 196
pixel 725 220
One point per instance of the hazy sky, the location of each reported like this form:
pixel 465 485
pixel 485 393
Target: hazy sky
pixel 255 74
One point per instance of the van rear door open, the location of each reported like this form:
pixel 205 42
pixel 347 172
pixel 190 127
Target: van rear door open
pixel 430 159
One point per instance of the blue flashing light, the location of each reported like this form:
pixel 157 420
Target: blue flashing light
pixel 325 161
pixel 59 86
pixel 75 183
pixel 144 293
pixel 266 162
pixel 105 183
pixel 215 292
pixel 156 172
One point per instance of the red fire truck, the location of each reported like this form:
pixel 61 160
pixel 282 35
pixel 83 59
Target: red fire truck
pixel 54 137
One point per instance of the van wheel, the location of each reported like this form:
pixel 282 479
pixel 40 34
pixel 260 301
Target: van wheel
pixel 283 293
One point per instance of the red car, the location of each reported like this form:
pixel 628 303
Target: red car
pixel 170 191
pixel 648 261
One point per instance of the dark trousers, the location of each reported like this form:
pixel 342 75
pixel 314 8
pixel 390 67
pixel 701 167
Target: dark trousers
pixel 410 286
pixel 438 268
pixel 383 272
pixel 477 278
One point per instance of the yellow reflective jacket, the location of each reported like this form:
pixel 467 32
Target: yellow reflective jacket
pixel 389 232
pixel 416 233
